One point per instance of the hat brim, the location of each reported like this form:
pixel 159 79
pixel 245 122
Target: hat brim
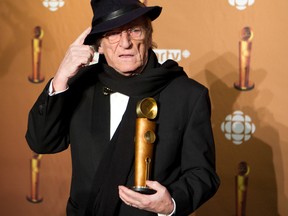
pixel 101 28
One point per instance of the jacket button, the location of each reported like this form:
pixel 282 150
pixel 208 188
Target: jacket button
pixel 41 107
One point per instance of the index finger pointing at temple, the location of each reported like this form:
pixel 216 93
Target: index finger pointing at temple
pixel 82 36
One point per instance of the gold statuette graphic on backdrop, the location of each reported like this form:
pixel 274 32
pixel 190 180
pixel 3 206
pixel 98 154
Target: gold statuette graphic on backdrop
pixel 144 138
pixel 144 1
pixel 245 47
pixel 241 186
pixel 34 179
pixel 36 76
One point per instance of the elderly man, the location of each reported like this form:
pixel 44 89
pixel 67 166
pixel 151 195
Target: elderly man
pixel 92 108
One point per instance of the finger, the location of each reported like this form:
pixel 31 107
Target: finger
pixel 82 36
pixel 127 195
pixel 153 185
pixel 123 199
pixel 123 196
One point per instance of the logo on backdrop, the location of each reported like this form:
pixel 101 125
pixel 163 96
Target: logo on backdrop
pixel 144 1
pixel 241 4
pixel 53 5
pixel 238 127
pixel 174 54
pixel 162 55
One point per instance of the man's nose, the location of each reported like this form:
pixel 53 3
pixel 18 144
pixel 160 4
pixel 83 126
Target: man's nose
pixel 125 40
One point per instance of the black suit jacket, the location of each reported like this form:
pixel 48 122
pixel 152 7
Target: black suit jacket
pixel 184 159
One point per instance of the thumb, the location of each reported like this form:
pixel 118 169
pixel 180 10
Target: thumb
pixel 82 36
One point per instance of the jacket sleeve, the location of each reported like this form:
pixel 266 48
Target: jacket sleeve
pixel 48 123
pixel 198 181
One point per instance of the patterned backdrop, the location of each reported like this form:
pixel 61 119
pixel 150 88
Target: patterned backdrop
pixel 237 48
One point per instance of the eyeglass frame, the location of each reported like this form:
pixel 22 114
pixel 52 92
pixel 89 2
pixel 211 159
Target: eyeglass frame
pixel 129 30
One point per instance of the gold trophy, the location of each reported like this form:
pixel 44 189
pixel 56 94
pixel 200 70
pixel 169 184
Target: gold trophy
pixel 36 76
pixel 144 139
pixel 241 188
pixel 34 179
pixel 245 47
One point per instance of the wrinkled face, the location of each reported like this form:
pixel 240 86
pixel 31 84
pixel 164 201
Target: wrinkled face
pixel 126 48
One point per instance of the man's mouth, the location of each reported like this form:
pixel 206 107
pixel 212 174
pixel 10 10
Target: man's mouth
pixel 126 55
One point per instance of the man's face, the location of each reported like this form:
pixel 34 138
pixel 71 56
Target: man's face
pixel 126 48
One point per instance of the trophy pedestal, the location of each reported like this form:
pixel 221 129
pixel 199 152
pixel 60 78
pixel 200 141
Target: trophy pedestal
pixel 143 190
pixel 35 80
pixel 247 87
pixel 32 200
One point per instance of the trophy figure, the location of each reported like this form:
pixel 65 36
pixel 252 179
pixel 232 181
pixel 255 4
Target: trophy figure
pixel 144 139
pixel 36 76
pixel 34 179
pixel 245 46
pixel 241 188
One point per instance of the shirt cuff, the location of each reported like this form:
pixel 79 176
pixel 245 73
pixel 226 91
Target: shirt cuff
pixel 51 92
pixel 173 212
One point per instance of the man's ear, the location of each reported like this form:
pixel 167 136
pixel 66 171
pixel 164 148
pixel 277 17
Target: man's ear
pixel 100 49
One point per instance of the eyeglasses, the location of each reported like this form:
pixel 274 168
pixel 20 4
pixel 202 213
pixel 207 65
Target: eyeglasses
pixel 135 33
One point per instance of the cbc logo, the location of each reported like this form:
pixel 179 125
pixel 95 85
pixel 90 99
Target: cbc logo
pixel 238 127
pixel 53 5
pixel 241 4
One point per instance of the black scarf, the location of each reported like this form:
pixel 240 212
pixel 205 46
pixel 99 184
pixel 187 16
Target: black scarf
pixel 151 81
pixel 118 158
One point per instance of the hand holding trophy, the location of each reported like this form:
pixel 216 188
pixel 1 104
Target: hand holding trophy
pixel 144 139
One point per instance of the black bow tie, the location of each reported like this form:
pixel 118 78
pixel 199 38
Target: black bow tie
pixel 107 91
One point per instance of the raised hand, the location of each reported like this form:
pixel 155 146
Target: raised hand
pixel 77 56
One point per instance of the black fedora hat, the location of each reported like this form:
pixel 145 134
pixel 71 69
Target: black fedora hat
pixel 110 14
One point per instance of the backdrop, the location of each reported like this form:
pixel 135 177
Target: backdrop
pixel 211 40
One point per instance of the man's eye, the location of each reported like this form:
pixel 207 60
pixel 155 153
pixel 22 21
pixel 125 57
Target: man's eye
pixel 136 30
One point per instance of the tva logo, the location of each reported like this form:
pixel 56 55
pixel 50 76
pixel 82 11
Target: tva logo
pixel 174 54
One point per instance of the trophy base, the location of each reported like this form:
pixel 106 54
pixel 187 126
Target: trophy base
pixel 34 200
pixel 33 80
pixel 250 86
pixel 143 190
